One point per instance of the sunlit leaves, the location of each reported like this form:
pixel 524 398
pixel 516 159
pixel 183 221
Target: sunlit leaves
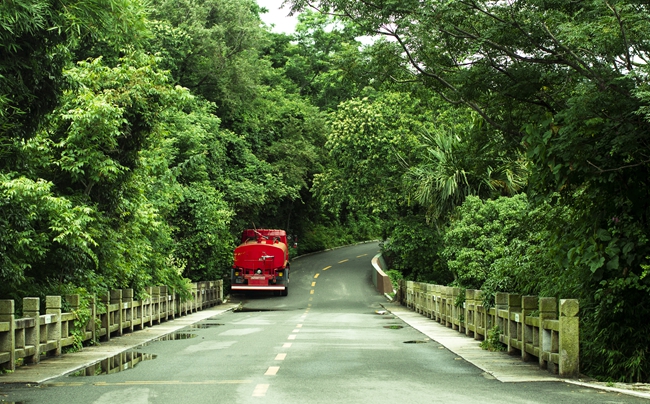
pixel 35 222
pixel 370 145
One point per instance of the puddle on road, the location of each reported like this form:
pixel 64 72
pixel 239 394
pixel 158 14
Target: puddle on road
pixel 203 325
pixel 394 327
pixel 118 363
pixel 241 309
pixel 169 337
pixel 175 336
pixel 417 341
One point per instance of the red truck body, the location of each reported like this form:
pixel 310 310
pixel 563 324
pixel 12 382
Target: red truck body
pixel 261 262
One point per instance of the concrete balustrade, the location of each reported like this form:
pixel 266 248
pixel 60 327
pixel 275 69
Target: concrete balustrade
pixel 36 335
pixel 531 327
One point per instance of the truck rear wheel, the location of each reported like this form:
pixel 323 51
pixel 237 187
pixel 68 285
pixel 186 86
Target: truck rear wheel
pixel 285 292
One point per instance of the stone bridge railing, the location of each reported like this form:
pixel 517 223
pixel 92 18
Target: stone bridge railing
pixel 529 326
pixel 38 335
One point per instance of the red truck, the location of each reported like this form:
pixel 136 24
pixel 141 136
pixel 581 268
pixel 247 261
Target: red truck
pixel 261 262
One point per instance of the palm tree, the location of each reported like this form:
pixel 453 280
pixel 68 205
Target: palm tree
pixel 463 159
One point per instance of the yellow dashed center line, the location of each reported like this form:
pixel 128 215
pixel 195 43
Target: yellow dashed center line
pixel 260 390
pixel 362 255
pixel 311 292
pixel 272 371
pixel 316 276
pixel 326 268
pixel 313 284
pixel 340 262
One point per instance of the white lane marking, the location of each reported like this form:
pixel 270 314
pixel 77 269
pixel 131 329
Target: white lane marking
pixel 280 356
pixel 272 371
pixel 292 336
pixel 286 345
pixel 260 390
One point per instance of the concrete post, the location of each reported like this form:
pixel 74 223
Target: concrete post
pixel 148 305
pixel 528 304
pixel 127 304
pixel 470 312
pixel 53 308
pixel 106 319
pixel 31 309
pixel 92 326
pixel 155 300
pixel 455 318
pixel 195 298
pixel 173 305
pixel 74 303
pixel 569 338
pixel 116 299
pixel 513 323
pixel 501 303
pixel 7 339
pixel 480 318
pixel 547 311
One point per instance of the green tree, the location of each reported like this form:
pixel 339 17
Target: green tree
pixel 565 81
pixel 370 144
pixel 462 157
pixel 37 38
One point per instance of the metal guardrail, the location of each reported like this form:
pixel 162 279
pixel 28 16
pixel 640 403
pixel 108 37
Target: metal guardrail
pixel 529 326
pixel 37 336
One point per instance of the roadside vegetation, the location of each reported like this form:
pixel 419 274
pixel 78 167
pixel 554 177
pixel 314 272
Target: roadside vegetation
pixel 497 146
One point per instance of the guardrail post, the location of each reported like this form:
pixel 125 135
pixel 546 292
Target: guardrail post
pixel 547 311
pixel 155 301
pixel 8 338
pixel 31 309
pixel 173 303
pixel 470 312
pixel 164 302
pixel 116 298
pixel 93 318
pixel 569 338
pixel 53 308
pixel 74 303
pixel 528 304
pixel 455 317
pixel 127 307
pixel 480 316
pixel 513 324
pixel 501 304
pixel 195 298
pixel 106 319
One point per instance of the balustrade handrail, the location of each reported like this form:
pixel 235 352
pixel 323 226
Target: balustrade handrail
pixel 529 326
pixel 38 335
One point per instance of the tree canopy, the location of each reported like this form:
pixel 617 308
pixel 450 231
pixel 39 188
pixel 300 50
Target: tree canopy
pixel 493 145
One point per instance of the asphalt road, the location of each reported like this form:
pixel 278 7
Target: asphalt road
pixel 324 343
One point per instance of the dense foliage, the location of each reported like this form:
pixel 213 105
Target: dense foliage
pixel 495 145
pixel 561 90
pixel 135 156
